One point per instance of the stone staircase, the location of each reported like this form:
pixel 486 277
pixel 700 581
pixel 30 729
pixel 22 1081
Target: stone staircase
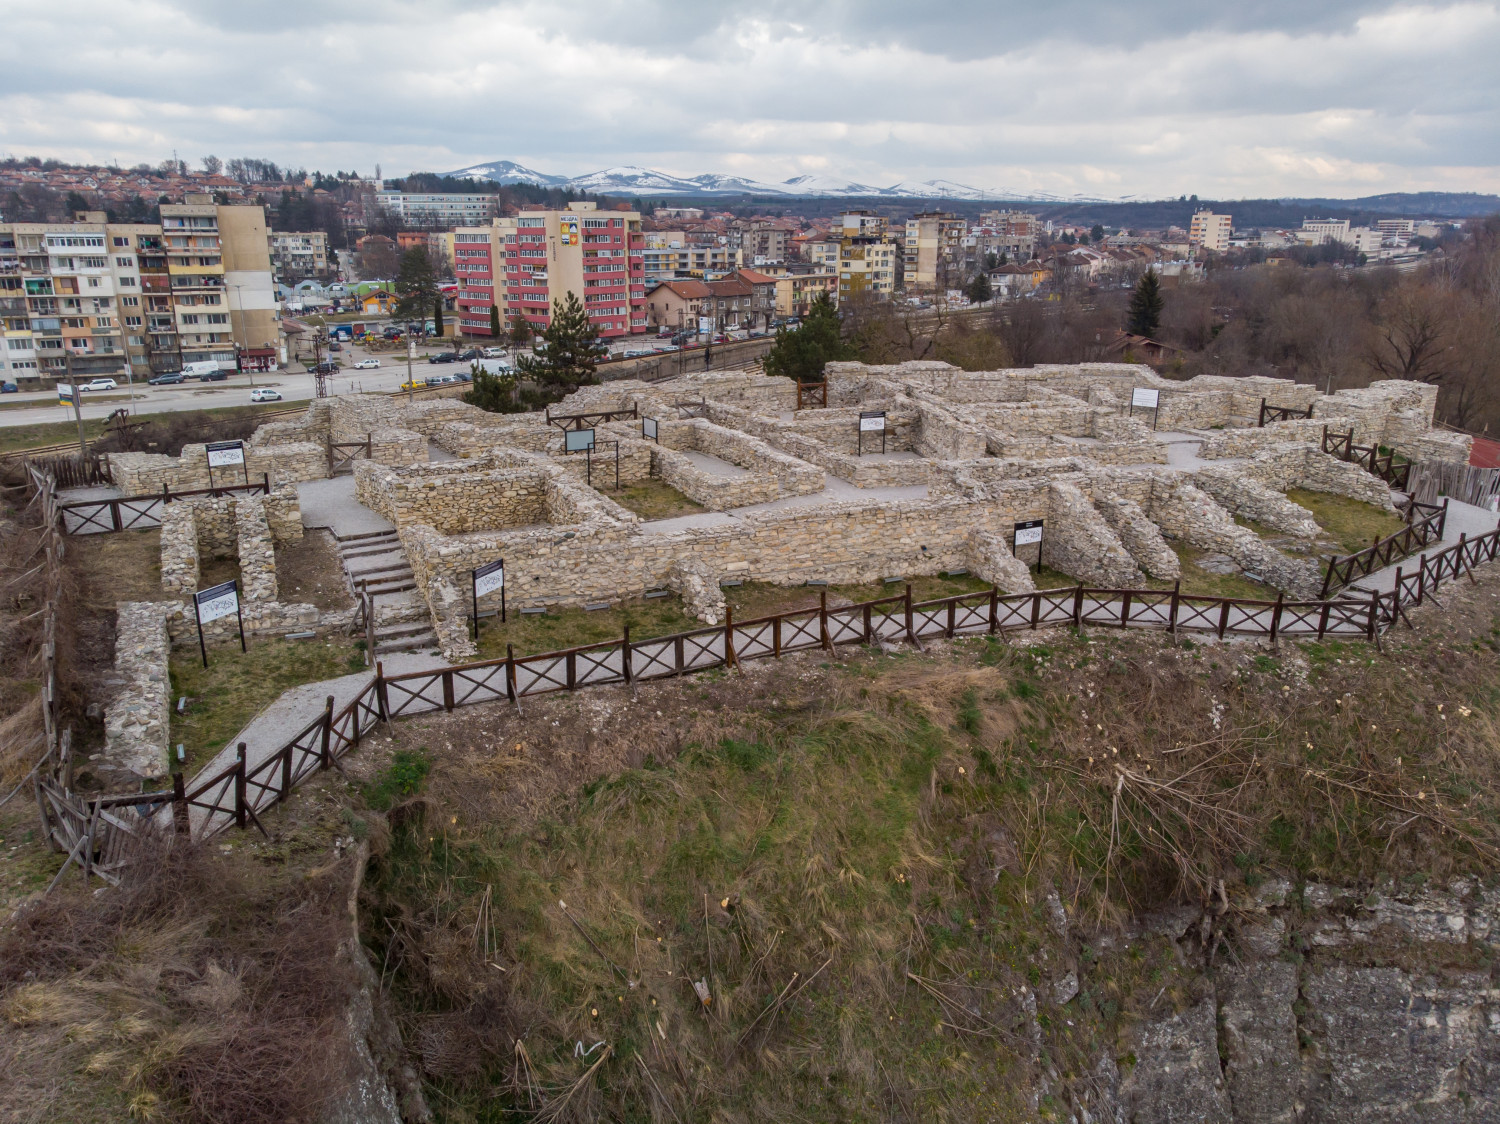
pixel 375 565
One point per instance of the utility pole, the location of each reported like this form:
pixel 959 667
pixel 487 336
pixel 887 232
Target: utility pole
pixel 83 446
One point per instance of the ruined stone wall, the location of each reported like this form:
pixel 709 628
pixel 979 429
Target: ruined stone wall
pixel 1076 540
pixel 1242 495
pixel 769 473
pixel 389 445
pixel 179 548
pixel 284 515
pixel 990 559
pixel 473 438
pixel 1141 538
pixel 257 551
pixel 138 718
pixel 1192 515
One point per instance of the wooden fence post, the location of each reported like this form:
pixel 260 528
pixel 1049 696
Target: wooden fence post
pixel 1372 626
pixel 1421 578
pixel 1078 606
pixel 286 773
pixel 181 823
pixel 325 757
pixel 1125 610
pixel 823 620
pixel 910 635
pixel 994 609
pixel 510 672
pixel 776 636
pixel 730 659
pixel 625 654
pixel 1224 618
pixel 448 689
pixel 952 618
pixel 380 699
pixel 1276 615
pixel 239 786
pixel 869 633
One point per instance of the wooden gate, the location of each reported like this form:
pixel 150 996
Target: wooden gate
pixel 343 454
pixel 810 394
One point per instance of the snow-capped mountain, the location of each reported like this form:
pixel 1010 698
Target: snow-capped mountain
pixel 507 171
pixel 631 180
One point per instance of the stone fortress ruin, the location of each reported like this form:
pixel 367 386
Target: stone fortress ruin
pixel 792 495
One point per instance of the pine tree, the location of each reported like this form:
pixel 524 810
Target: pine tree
pixel 1146 303
pixel 437 316
pixel 495 322
pixel 568 358
pixel 493 392
pixel 979 289
pixel 801 354
pixel 416 285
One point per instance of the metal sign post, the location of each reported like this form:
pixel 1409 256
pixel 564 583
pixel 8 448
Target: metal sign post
pixel 213 603
pixel 1147 399
pixel 1027 533
pixel 224 454
pixel 486 579
pixel 871 421
pixel 650 430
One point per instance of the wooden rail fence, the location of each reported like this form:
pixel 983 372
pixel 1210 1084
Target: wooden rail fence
pixel 1281 413
pixel 1424 525
pixel 124 513
pixel 1393 468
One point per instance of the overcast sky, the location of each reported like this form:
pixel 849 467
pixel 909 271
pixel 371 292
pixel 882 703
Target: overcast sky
pixel 1147 98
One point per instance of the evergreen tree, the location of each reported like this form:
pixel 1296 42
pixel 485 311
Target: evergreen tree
pixel 979 289
pixel 495 393
pixel 568 357
pixel 416 285
pixel 495 322
pixel 437 316
pixel 801 354
pixel 520 331
pixel 1146 303
pixel 1097 233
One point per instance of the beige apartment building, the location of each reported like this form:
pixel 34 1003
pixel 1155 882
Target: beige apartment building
pixel 932 249
pixel 1209 231
pixel 866 265
pixel 131 300
pixel 479 266
pixel 297 256
pixel 669 254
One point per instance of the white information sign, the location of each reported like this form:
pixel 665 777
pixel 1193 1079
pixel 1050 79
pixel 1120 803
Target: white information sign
pixel 705 325
pixel 578 440
pixel 490 578
pixel 1029 532
pixel 1145 397
pixel 224 454
pixel 648 428
pixel 872 422
pixel 217 601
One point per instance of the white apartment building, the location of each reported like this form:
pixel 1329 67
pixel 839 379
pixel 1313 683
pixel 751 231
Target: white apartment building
pixel 439 210
pixel 1318 231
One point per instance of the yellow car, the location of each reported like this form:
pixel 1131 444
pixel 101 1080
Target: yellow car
pixel 414 384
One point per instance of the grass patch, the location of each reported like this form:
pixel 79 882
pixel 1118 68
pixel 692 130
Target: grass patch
pixel 236 686
pixel 653 499
pixel 1195 579
pixel 571 627
pixel 123 566
pixel 1352 524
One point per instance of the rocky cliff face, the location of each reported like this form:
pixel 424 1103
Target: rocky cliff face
pixel 1320 1004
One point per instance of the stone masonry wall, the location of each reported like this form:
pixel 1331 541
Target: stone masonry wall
pixel 284 515
pixel 1139 536
pixel 1076 540
pixel 1243 496
pixel 179 549
pixel 256 549
pixel 137 720
pixel 990 559
pixel 1193 516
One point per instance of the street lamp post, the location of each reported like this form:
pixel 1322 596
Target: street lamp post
pixel 244 327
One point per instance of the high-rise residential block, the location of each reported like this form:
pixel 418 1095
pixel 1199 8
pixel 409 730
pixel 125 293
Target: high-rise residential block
pixel 932 250
pixel 1209 231
pixel 596 255
pixel 479 266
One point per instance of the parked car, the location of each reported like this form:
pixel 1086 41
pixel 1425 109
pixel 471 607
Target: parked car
pixel 443 357
pixel 472 353
pixel 442 380
pixel 463 376
pixel 213 376
pixel 265 394
pixel 100 384
pixel 414 384
pixel 171 378
pixel 334 345
pixel 367 365
pixel 494 353
pixel 327 367
pixel 666 347
pixel 9 388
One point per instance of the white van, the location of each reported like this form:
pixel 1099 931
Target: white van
pixel 201 368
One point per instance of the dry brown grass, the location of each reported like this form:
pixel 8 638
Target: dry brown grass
pixel 202 989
